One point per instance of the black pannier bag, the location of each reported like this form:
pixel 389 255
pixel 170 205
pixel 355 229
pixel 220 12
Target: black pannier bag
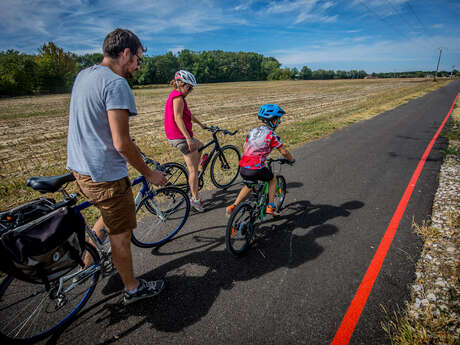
pixel 39 243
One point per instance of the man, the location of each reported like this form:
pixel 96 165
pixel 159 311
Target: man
pixel 99 147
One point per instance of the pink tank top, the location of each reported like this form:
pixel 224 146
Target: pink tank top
pixel 171 129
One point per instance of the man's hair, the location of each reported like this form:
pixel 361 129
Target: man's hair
pixel 120 39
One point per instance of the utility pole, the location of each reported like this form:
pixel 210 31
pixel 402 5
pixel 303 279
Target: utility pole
pixel 439 59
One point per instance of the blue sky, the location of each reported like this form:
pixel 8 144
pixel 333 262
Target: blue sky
pixel 373 35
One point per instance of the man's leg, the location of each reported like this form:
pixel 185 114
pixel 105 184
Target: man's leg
pixel 122 259
pixel 97 228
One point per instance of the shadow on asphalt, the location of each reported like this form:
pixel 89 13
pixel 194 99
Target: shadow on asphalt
pixel 195 280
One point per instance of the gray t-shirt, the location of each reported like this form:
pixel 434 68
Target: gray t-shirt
pixel 90 149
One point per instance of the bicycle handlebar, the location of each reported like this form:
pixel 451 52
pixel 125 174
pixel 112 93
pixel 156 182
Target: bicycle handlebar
pixel 270 161
pixel 216 129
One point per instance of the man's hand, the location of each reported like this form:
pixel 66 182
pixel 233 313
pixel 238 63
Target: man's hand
pixel 157 178
pixel 191 145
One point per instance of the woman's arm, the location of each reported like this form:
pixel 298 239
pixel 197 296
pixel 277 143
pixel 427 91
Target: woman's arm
pixel 178 106
pixel 194 119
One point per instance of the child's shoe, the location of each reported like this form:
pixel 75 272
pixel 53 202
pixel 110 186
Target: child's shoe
pixel 229 210
pixel 271 210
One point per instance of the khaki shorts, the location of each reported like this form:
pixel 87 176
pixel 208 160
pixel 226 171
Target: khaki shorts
pixel 114 199
pixel 182 145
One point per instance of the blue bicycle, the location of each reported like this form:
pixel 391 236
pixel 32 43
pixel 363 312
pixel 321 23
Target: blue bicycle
pixel 30 312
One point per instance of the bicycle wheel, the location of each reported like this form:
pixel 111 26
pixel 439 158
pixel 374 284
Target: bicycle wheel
pixel 224 166
pixel 29 312
pixel 240 229
pixel 280 194
pixel 160 217
pixel 177 175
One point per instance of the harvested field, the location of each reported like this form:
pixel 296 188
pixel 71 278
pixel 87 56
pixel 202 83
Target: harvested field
pixel 33 130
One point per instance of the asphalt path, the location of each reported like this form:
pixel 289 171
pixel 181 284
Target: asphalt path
pixel 296 283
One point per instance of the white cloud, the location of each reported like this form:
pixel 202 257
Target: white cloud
pixel 385 52
pixel 176 50
pixel 304 10
pixel 26 24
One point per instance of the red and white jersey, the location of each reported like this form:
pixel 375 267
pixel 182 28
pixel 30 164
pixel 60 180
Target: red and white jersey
pixel 259 143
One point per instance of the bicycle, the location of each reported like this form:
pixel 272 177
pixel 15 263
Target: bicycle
pixel 241 226
pixel 224 164
pixel 31 312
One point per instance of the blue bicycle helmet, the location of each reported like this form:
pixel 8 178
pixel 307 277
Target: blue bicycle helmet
pixel 271 114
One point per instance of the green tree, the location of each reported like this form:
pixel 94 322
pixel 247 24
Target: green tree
pixel 56 69
pixel 17 73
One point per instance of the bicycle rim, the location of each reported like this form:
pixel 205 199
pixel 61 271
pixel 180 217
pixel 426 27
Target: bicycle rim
pixel 159 219
pixel 240 230
pixel 280 194
pixel 224 166
pixel 176 174
pixel 29 312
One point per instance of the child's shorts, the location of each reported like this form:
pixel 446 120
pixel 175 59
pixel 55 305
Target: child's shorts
pixel 263 174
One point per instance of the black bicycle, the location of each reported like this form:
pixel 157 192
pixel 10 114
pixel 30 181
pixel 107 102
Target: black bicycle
pixel 224 162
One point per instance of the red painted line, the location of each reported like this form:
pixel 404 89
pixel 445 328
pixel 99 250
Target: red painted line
pixel 345 331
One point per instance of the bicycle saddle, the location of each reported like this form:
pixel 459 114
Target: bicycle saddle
pixel 49 184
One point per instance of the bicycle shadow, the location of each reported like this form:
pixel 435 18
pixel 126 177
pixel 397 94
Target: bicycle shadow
pixel 195 281
pixel 220 198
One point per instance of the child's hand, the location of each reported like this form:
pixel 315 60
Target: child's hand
pixel 292 163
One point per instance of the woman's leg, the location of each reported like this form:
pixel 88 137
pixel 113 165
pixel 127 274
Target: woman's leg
pixel 192 160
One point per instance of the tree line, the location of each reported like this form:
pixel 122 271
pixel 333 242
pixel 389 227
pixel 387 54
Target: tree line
pixel 52 70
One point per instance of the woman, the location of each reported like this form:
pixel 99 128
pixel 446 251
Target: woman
pixel 178 128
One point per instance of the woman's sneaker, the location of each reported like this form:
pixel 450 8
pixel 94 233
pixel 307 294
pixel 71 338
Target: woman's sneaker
pixel 145 289
pixel 197 205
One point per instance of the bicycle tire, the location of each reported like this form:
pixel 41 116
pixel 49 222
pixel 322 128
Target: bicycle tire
pixel 173 206
pixel 20 295
pixel 229 158
pixel 280 194
pixel 177 175
pixel 240 229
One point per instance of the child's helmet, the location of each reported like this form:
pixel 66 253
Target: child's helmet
pixel 271 114
pixel 186 77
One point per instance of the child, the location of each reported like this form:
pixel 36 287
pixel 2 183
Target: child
pixel 258 145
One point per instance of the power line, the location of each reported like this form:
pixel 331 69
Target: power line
pixel 382 19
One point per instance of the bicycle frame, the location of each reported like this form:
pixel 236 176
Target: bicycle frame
pixel 216 147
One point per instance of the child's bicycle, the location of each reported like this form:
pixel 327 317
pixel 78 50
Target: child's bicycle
pixel 224 162
pixel 30 312
pixel 242 223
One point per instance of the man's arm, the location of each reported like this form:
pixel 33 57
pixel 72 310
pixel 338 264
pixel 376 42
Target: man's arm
pixel 119 126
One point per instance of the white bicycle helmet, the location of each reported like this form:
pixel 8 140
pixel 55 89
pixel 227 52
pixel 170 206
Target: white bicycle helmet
pixel 186 77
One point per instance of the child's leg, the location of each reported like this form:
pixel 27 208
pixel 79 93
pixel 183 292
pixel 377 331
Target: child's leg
pixel 244 192
pixel 272 190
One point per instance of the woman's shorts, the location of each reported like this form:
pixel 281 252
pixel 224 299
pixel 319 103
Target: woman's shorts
pixel 263 174
pixel 182 145
pixel 114 199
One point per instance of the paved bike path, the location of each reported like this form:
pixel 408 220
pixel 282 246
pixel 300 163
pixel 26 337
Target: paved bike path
pixel 295 285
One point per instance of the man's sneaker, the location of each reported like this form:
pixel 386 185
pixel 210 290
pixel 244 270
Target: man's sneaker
pixel 197 205
pixel 271 210
pixel 145 289
pixel 229 210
